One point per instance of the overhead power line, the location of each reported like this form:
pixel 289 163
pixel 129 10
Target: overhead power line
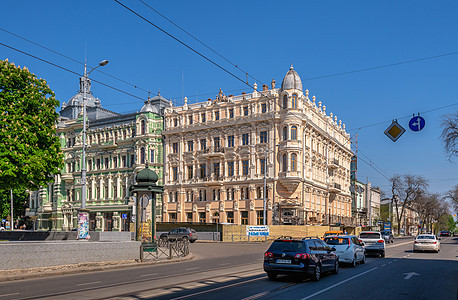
pixel 72 59
pixel 70 71
pixel 182 43
pixel 384 66
pixel 202 43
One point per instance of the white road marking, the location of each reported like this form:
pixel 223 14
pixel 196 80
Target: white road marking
pixel 152 274
pixel 188 269
pixel 390 262
pixel 383 265
pixel 4 295
pixel 409 275
pixel 337 284
pixel 87 283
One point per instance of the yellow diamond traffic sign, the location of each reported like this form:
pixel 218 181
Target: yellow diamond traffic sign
pixel 394 131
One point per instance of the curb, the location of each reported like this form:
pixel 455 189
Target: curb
pixel 39 272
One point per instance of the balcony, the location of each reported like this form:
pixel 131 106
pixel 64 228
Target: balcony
pixel 213 179
pixel 290 145
pixel 290 179
pixel 333 163
pixel 67 177
pixel 214 152
pixel 108 144
pixel 335 188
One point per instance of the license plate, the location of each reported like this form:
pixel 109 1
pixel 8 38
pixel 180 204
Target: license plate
pixel 283 261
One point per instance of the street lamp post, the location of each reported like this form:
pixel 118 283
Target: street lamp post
pixel 265 188
pixel 83 215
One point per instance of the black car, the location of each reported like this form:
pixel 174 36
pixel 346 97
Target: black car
pixel 180 234
pixel 445 233
pixel 304 257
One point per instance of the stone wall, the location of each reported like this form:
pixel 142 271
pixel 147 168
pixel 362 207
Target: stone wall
pixel 19 255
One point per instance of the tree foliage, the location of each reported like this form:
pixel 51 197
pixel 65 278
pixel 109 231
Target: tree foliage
pixel 29 150
pixel 450 134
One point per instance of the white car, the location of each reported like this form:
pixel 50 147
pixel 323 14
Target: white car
pixel 426 242
pixel 348 247
pixel 373 242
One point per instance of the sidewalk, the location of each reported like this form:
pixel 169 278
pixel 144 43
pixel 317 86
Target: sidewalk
pixel 30 273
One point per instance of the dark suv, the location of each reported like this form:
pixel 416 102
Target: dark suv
pixel 180 234
pixel 308 256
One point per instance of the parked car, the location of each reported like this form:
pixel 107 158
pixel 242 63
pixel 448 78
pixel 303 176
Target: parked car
pixel 348 248
pixel 301 257
pixel 333 232
pixel 373 242
pixel 180 234
pixel 445 233
pixel 388 236
pixel 426 242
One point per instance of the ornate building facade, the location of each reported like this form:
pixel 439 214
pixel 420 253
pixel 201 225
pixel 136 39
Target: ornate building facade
pixel 119 145
pixel 219 152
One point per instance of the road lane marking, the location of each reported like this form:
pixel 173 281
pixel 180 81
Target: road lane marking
pixel 383 265
pixel 4 295
pixel 188 269
pixel 268 292
pixel 218 288
pixel 389 262
pixel 87 283
pixel 152 274
pixel 409 275
pixel 337 284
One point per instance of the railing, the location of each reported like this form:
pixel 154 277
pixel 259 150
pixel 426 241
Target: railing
pixel 164 249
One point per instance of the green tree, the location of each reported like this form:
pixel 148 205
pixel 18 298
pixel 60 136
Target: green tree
pixel 30 152
pixel 20 201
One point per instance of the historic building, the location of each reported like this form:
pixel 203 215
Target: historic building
pixel 119 145
pixel 219 152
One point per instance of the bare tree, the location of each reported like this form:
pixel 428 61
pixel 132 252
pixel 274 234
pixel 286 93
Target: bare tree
pixel 450 134
pixel 452 195
pixel 406 189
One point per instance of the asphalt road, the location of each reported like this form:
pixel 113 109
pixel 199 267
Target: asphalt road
pixel 234 271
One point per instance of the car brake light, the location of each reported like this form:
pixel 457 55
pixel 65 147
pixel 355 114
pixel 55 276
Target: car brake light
pixel 302 256
pixel 268 254
pixel 416 242
pixel 434 242
pixel 381 241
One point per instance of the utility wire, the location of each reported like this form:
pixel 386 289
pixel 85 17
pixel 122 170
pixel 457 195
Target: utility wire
pixel 195 38
pixel 404 117
pixel 68 70
pixel 383 66
pixel 182 43
pixel 74 60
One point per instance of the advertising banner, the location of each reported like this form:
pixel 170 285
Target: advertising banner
pixel 257 231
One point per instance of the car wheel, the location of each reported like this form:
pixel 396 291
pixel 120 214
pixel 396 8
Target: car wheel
pixel 317 273
pixel 363 261
pixel 353 263
pixel 382 254
pixel 272 276
pixel 184 239
pixel 192 241
pixel 336 267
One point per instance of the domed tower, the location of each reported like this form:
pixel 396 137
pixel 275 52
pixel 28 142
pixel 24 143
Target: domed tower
pixel 290 130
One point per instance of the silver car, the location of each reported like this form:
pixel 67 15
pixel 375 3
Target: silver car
pixel 373 242
pixel 348 247
pixel 426 242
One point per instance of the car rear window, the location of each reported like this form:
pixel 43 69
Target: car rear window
pixel 336 241
pixel 369 235
pixel 426 237
pixel 287 246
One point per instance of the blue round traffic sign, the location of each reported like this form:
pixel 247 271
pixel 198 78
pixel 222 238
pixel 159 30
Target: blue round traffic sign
pixel 417 123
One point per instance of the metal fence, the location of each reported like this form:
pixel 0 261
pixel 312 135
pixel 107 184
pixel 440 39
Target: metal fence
pixel 164 249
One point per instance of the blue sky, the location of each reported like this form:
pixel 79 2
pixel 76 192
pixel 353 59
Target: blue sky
pixel 263 38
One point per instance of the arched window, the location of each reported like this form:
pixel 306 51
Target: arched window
pixel 294 101
pixel 293 132
pixel 285 101
pixel 285 162
pixel 293 161
pixel 285 133
pixel 143 125
pixel 142 155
